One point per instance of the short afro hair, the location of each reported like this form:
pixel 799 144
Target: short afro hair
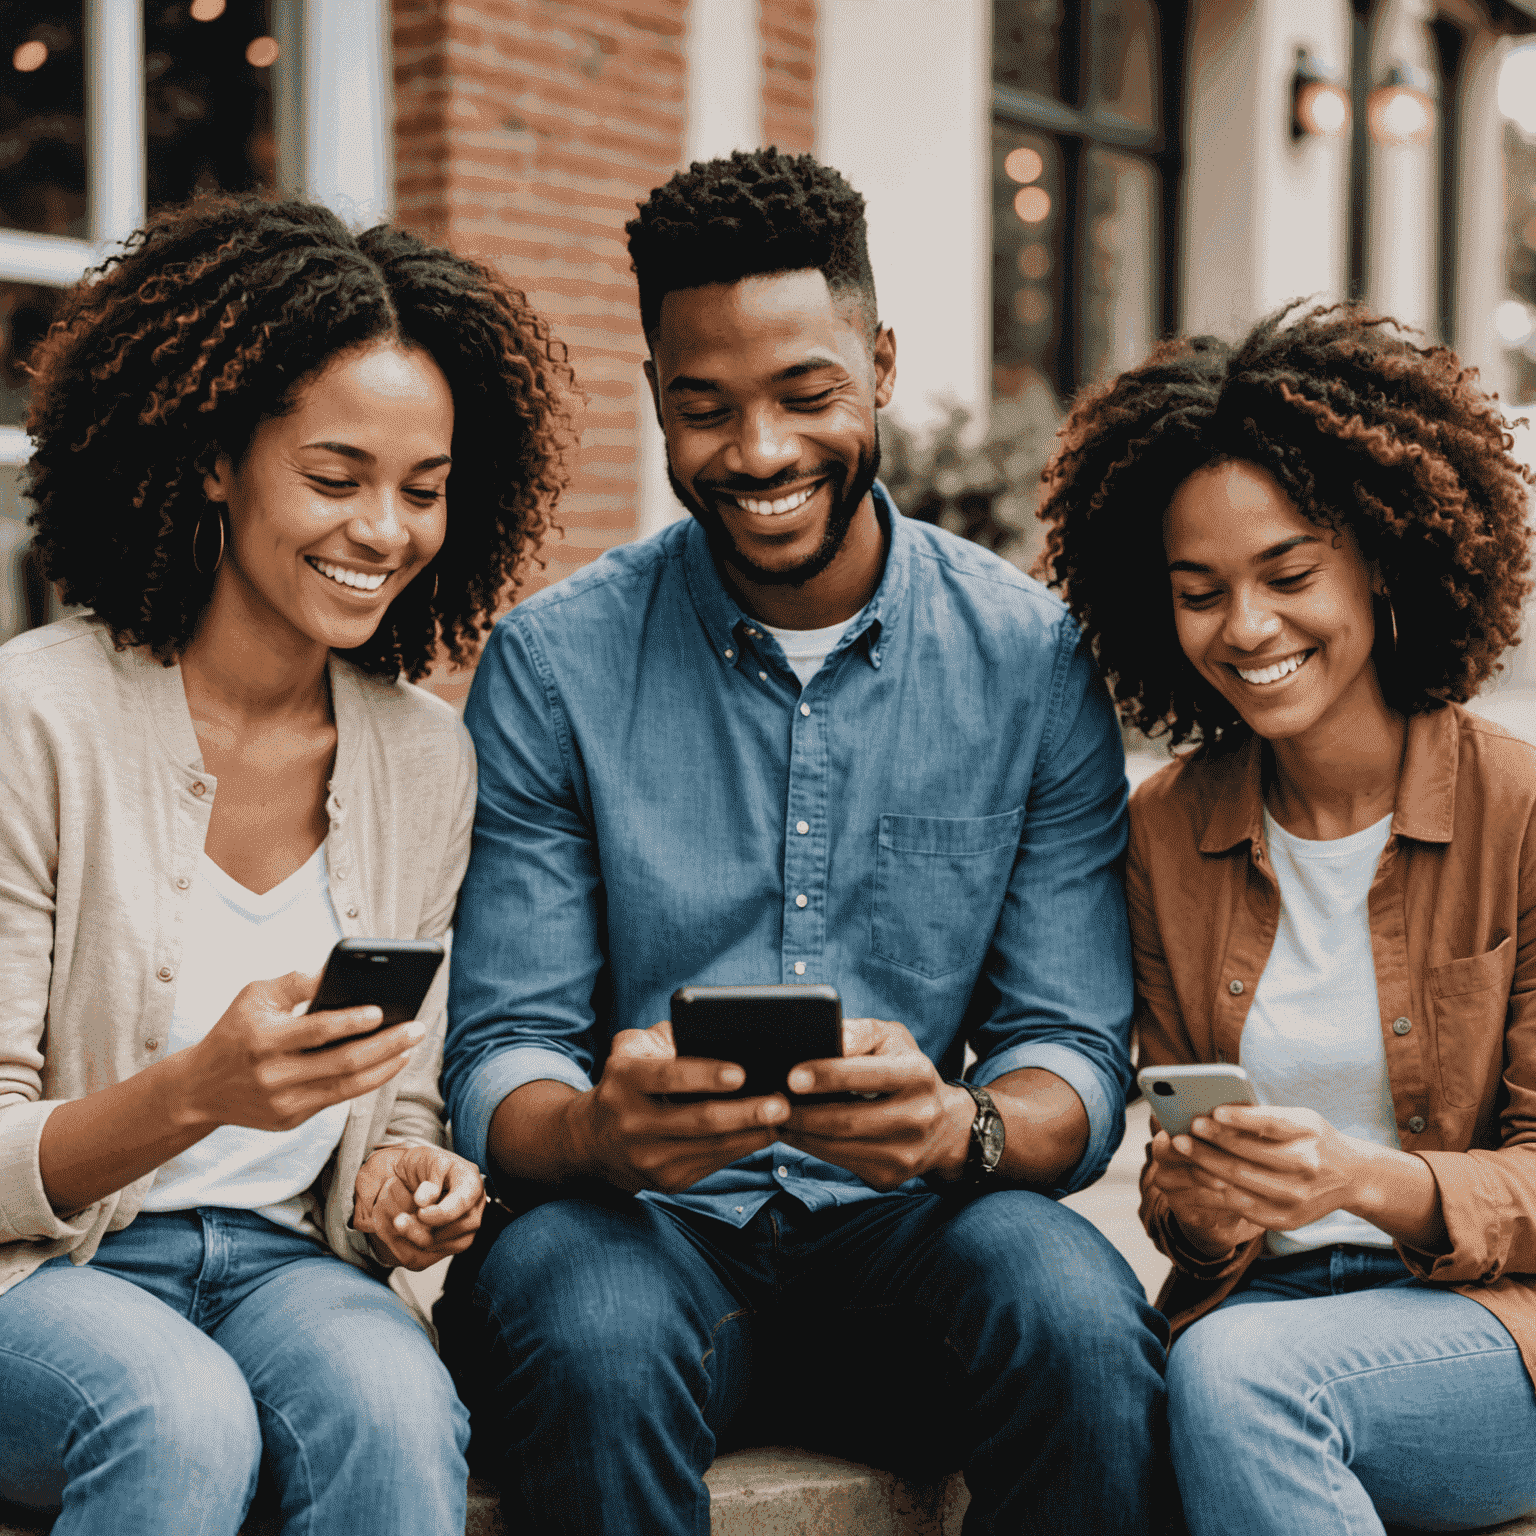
pixel 1362 429
pixel 748 216
pixel 175 350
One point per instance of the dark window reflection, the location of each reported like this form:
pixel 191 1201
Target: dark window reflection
pixel 1125 63
pixel 26 311
pixel 208 98
pixel 1026 259
pixel 42 118
pixel 1026 45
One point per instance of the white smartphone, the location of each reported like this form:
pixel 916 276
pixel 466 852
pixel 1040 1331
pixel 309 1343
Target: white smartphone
pixel 1179 1094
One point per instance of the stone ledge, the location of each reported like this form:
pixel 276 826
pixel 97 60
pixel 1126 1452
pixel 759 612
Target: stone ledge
pixel 772 1491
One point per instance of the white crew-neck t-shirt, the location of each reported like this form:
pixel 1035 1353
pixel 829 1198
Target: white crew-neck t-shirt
pixel 234 937
pixel 1312 1038
pixel 806 649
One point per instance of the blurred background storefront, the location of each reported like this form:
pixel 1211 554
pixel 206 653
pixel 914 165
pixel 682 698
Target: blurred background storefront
pixel 1052 185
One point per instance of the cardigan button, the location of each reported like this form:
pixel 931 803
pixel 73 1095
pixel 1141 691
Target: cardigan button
pixel 199 788
pixel 151 1044
pixel 165 973
pixel 1235 987
pixel 1416 1123
pixel 1401 1026
pixel 351 911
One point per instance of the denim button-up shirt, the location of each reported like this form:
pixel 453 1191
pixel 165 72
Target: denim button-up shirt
pixel 933 825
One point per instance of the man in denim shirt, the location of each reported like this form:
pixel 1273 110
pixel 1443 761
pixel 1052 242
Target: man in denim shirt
pixel 795 738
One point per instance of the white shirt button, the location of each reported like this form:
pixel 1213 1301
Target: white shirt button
pixel 1235 988
pixel 782 1171
pixel 802 827
pixel 800 901
pixel 805 709
pixel 762 677
pixel 1401 1026
pixel 741 1210
pixel 799 967
pixel 729 655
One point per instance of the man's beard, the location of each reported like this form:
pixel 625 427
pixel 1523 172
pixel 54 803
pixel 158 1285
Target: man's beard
pixel 846 499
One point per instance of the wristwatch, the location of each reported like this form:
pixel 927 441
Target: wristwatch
pixel 987 1135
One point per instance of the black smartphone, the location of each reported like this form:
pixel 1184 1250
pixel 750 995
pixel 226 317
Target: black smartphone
pixel 764 1030
pixel 392 974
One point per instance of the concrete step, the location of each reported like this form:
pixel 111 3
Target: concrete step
pixel 773 1491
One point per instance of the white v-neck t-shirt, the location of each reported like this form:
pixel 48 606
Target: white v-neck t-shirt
pixel 806 649
pixel 235 937
pixel 1312 1038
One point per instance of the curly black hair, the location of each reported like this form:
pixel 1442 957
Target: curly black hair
pixel 176 349
pixel 747 216
pixel 1362 428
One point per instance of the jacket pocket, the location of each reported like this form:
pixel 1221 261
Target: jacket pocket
pixel 1471 1002
pixel 939 882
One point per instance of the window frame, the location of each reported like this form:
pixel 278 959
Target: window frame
pixel 1078 130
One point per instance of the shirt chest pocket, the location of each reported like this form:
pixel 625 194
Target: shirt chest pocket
pixel 1471 1002
pixel 939 883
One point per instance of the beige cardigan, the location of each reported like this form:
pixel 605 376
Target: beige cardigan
pixel 104 808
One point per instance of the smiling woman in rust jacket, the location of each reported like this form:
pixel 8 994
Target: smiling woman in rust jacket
pixel 1337 890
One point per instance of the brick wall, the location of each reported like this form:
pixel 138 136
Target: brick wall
pixel 788 29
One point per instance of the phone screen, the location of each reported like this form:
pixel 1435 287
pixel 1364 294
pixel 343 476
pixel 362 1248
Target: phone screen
pixel 766 1030
pixel 392 974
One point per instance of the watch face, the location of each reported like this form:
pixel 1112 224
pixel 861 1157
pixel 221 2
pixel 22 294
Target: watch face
pixel 991 1130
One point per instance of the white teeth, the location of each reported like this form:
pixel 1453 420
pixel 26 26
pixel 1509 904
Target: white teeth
pixel 346 578
pixel 775 508
pixel 1275 673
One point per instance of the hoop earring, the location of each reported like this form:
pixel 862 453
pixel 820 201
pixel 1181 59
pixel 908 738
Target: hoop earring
pixel 196 533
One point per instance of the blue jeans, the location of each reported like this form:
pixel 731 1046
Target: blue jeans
pixel 620 1340
pixel 140 1391
pixel 1334 1393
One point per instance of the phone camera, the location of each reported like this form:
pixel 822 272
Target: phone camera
pixel 1165 1089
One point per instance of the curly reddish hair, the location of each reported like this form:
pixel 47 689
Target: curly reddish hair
pixel 1362 429
pixel 209 322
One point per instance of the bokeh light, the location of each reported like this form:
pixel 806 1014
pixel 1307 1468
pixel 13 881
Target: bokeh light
pixel 1024 164
pixel 30 56
pixel 1033 204
pixel 1034 260
pixel 207 10
pixel 262 52
pixel 1517 88
pixel 1514 323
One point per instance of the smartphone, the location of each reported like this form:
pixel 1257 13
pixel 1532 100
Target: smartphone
pixel 392 974
pixel 764 1030
pixel 1179 1094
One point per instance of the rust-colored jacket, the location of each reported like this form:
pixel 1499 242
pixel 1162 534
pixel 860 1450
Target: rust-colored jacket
pixel 1453 935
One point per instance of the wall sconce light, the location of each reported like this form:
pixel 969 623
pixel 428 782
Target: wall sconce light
pixel 1401 110
pixel 1319 102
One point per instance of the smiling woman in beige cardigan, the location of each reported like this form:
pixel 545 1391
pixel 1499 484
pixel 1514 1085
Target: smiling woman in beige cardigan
pixel 247 430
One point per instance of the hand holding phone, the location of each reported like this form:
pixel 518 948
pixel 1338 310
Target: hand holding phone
pixel 1180 1095
pixel 766 1030
pixel 394 975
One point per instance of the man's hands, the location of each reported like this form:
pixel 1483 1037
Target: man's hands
pixel 420 1204
pixel 1247 1169
pixel 264 1066
pixel 917 1124
pixel 626 1132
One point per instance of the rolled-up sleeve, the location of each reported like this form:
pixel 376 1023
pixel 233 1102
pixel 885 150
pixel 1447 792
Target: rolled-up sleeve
pixel 1063 1002
pixel 527 937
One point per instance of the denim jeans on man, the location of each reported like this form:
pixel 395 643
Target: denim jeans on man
pixel 152 1379
pixel 1334 1392
pixel 932 825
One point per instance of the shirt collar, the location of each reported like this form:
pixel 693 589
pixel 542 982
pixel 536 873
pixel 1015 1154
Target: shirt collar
pixel 1426 789
pixel 722 616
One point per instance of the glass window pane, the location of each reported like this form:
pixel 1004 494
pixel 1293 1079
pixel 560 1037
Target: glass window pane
pixel 1120 274
pixel 1026 45
pixel 26 312
pixel 1026 260
pixel 208 97
pixel 42 118
pixel 1125 60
